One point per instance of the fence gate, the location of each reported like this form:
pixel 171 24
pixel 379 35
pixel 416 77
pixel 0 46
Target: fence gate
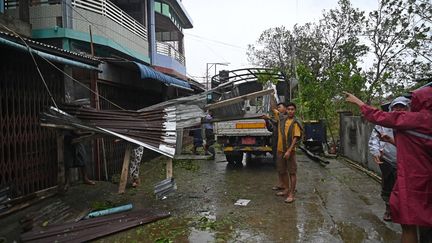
pixel 28 152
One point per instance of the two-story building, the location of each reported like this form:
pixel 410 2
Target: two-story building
pixel 139 44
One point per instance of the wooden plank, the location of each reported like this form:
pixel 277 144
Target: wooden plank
pixel 169 168
pixel 104 160
pixel 61 179
pixel 125 170
pixel 179 141
pixel 238 99
pixel 57 126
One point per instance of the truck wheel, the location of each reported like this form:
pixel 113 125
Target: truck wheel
pixel 234 158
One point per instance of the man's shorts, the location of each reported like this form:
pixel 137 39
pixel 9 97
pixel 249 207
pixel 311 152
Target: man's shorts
pixel 284 165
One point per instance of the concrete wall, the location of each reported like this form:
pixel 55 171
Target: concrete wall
pixel 48 16
pixel 109 29
pixel 45 16
pixel 354 137
pixel 42 16
pixel 13 22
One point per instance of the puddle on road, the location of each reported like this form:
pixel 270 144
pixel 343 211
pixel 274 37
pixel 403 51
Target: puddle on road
pixel 351 233
pixel 201 236
pixel 365 199
pixel 203 207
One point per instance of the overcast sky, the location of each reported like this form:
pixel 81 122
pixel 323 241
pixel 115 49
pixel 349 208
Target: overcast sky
pixel 224 28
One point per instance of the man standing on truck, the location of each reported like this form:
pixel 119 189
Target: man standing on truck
pixel 289 132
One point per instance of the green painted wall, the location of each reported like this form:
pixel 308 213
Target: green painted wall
pixel 66 34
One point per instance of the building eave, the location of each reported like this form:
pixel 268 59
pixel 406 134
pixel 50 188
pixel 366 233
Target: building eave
pixel 183 14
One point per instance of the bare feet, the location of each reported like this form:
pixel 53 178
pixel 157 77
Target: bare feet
pixel 290 199
pixel 65 187
pixel 135 182
pixel 282 194
pixel 87 181
pixel 387 214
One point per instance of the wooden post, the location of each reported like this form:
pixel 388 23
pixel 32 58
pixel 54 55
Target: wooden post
pixel 61 180
pixel 125 170
pixel 179 141
pixel 96 104
pixel 169 168
pixel 104 159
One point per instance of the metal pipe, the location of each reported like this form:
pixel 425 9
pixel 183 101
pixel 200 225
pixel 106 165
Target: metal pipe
pixel 109 211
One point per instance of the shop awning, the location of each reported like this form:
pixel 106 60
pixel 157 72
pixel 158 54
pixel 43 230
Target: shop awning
pixel 51 57
pixel 148 72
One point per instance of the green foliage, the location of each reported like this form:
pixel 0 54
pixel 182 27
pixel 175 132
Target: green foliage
pixel 101 205
pixel 399 34
pixel 164 240
pixel 321 97
pixel 267 76
pixel 324 56
pixel 189 165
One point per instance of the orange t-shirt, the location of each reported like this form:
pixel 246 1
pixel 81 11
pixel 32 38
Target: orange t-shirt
pixel 296 131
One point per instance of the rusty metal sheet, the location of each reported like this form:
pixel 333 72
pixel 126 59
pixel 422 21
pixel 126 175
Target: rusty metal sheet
pixel 86 230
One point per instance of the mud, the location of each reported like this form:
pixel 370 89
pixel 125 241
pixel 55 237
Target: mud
pixel 333 204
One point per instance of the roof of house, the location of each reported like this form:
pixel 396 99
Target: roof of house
pixel 50 49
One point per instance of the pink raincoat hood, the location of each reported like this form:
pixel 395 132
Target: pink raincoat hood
pixel 422 99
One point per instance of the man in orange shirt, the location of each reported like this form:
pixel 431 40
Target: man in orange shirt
pixel 289 132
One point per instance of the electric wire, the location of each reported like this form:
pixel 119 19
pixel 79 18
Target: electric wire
pixel 37 66
pixel 63 72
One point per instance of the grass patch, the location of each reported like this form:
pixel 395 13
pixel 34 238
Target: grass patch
pixel 186 165
pixel 101 205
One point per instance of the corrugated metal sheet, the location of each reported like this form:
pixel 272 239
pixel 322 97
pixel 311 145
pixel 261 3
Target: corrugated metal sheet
pixel 48 56
pixel 148 72
pixel 154 130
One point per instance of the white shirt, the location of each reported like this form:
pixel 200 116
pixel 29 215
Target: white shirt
pixel 376 146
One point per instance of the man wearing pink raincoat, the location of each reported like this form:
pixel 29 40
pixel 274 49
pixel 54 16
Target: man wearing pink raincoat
pixel 411 198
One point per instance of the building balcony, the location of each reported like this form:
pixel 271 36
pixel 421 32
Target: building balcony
pixel 111 26
pixel 170 51
pixel 170 20
pixel 169 59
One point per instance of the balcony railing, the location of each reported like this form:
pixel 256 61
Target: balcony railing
pixel 101 7
pixel 110 10
pixel 169 50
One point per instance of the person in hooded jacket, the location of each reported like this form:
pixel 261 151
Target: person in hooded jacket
pixel 411 198
pixel 384 154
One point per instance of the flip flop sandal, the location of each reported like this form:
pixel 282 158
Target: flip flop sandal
pixel 281 194
pixel 277 188
pixel 289 200
pixel 387 216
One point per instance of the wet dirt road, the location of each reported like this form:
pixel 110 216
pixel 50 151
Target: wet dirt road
pixel 334 204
